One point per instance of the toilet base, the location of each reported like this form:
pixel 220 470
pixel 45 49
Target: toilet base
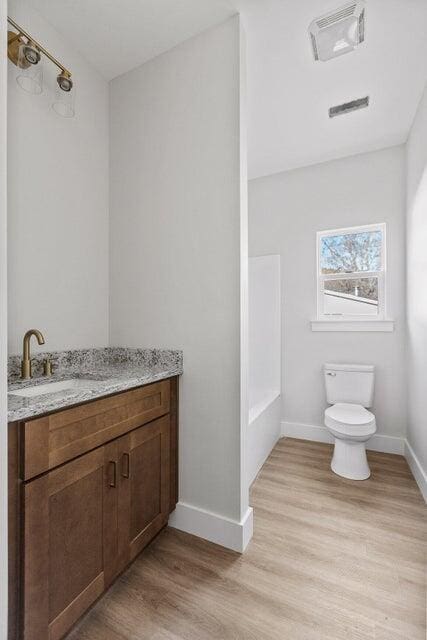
pixel 349 460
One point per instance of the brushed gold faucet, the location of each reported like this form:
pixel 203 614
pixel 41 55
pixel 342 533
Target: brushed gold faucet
pixel 26 359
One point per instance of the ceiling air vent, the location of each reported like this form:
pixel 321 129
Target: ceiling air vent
pixel 338 32
pixel 347 107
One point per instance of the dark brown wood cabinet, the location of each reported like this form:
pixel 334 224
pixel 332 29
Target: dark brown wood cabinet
pixel 69 542
pixel 83 521
pixel 144 486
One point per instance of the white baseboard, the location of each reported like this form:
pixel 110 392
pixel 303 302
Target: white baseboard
pixel 378 442
pixel 305 432
pixel 226 532
pixel 417 470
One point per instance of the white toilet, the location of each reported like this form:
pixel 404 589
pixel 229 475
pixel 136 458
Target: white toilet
pixel 350 389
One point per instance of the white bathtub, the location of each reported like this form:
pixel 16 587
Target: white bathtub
pixel 264 361
pixel 264 430
pixel 259 401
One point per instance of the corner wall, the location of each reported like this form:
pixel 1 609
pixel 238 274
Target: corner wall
pixel 285 212
pixel 176 216
pixel 417 294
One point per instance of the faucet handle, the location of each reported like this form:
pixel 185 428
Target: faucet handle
pixel 47 368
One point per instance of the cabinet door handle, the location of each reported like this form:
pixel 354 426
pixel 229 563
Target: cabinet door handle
pixel 126 465
pixel 113 481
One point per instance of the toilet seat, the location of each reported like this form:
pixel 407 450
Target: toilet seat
pixel 350 419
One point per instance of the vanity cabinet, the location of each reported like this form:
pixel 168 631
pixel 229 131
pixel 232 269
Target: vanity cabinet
pixel 70 542
pixel 143 487
pixel 77 522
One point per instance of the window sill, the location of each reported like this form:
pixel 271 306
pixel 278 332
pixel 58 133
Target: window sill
pixel 352 325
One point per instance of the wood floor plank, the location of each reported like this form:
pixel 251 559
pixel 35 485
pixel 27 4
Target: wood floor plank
pixel 331 559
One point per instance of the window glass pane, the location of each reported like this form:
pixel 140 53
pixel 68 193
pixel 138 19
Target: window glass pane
pixel 353 297
pixel 351 252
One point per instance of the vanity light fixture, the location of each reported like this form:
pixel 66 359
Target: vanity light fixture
pixel 64 81
pixel 63 103
pixel 30 74
pixel 25 53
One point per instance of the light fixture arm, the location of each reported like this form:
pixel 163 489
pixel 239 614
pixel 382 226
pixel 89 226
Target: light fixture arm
pixel 22 32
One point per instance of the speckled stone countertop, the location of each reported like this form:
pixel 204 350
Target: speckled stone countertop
pixel 107 371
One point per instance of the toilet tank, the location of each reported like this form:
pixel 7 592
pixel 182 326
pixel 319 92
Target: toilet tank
pixel 352 383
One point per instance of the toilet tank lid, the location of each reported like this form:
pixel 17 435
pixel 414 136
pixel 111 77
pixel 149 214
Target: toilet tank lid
pixel 349 367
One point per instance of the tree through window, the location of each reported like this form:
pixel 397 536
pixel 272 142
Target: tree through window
pixel 351 267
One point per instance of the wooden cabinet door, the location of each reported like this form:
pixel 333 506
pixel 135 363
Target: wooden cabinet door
pixel 70 541
pixel 144 486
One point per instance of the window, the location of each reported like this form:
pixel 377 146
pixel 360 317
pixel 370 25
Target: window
pixel 351 273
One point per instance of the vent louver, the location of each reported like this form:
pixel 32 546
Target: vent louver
pixel 346 12
pixel 348 107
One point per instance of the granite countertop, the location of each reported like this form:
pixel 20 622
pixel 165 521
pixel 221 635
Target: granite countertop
pixel 108 370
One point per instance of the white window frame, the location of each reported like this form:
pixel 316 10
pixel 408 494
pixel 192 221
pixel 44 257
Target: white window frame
pixel 381 275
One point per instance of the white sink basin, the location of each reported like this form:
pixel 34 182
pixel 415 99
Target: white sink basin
pixel 54 387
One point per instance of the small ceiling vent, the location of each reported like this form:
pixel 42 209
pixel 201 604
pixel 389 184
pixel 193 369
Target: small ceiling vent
pixel 347 107
pixel 338 32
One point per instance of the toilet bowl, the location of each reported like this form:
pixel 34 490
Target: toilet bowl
pixel 351 426
pixel 349 389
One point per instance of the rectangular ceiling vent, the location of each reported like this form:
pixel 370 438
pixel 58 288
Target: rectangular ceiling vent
pixel 338 32
pixel 348 107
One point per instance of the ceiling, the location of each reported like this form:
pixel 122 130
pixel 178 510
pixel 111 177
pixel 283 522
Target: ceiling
pixel 119 35
pixel 289 94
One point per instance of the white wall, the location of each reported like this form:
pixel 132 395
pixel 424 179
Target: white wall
pixel 58 203
pixel 285 211
pixel 175 245
pixel 3 327
pixel 417 283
